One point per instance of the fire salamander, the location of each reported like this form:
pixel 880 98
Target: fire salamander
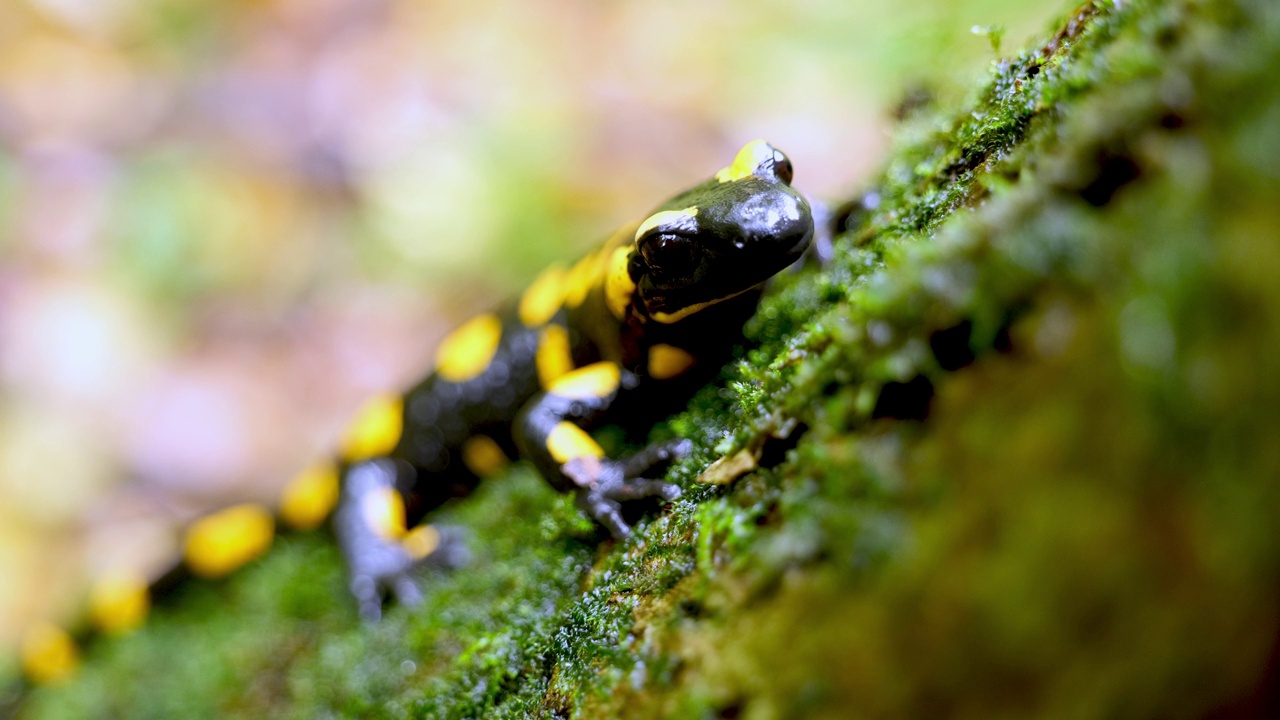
pixel 627 334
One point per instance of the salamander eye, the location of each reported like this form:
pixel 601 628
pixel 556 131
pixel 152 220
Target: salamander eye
pixel 782 166
pixel 669 254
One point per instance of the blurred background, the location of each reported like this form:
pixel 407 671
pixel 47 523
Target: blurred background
pixel 225 223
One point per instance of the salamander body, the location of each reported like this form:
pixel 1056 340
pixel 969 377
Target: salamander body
pixel 625 335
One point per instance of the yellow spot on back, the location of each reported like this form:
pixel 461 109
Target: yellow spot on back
pixel 49 655
pixel 666 217
pixel 668 361
pixel 119 602
pixel 376 429
pixel 421 541
pixel 310 496
pixel 467 351
pixel 482 456
pixel 582 277
pixel 596 380
pixel 554 358
pixel 383 511
pixel 746 161
pixel 618 285
pixel 567 441
pixel 543 298
pixel 219 543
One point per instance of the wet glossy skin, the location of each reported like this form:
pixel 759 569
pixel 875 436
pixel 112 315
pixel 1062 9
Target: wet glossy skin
pixel 632 331
pixel 625 336
pixel 741 233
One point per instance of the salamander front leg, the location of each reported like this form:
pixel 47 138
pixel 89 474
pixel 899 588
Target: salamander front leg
pixel 550 432
pixel 603 485
pixel 657 456
pixel 382 554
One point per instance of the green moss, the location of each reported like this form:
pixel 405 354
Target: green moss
pixel 1034 472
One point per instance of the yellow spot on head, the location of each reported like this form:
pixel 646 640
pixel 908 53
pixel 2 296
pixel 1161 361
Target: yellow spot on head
pixel 467 351
pixel 383 511
pixel 684 312
pixel 482 456
pixel 567 441
pixel 747 161
pixel 119 601
pixel 619 288
pixel 596 380
pixel 680 219
pixel 219 543
pixel 668 361
pixel 310 496
pixel 554 357
pixel 543 298
pixel 421 541
pixel 376 429
pixel 49 654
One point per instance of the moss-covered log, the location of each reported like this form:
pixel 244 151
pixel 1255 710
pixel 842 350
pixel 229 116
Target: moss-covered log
pixel 1011 453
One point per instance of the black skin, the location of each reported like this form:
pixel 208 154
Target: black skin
pixel 744 231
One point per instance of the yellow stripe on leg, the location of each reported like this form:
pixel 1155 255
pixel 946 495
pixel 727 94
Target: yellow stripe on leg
pixel 421 541
pixel 376 429
pixel 383 511
pixel 467 351
pixel 49 655
pixel 567 441
pixel 119 602
pixel 596 380
pixel 310 497
pixel 224 541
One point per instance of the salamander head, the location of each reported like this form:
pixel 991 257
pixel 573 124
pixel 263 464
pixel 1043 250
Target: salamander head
pixel 721 238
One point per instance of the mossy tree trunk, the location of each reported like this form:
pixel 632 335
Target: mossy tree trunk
pixel 1013 452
